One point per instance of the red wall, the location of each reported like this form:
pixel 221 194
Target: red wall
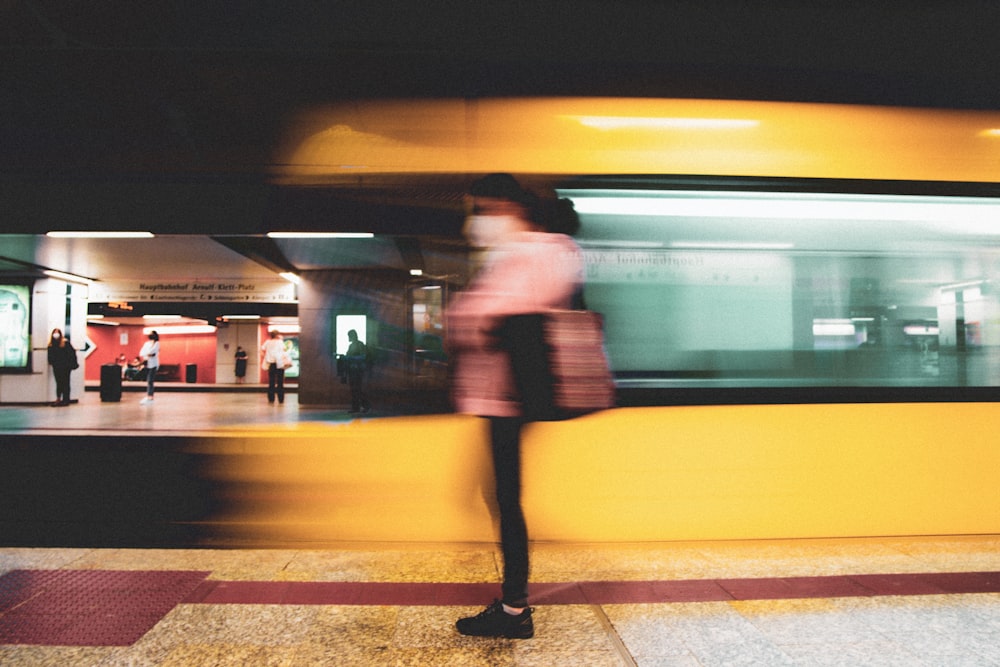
pixel 180 349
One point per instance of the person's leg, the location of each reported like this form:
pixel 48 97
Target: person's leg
pixel 280 384
pixel 272 382
pixel 505 436
pixel 354 381
pixel 511 616
pixel 62 387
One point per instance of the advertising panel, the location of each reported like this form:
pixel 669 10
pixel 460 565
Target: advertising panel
pixel 15 320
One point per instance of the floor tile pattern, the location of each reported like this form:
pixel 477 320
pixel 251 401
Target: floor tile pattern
pixel 87 607
pixel 918 602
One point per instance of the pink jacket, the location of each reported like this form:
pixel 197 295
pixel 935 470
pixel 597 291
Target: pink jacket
pixel 534 272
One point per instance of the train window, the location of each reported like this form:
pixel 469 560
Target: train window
pixel 728 289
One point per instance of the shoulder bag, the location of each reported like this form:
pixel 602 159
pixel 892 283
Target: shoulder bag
pixel 559 363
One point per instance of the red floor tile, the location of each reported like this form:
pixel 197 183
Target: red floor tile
pixel 88 607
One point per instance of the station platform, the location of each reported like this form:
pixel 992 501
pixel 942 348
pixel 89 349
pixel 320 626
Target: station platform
pixel 902 601
pixel 82 589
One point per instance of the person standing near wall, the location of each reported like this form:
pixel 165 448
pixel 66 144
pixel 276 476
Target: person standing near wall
pixel 241 364
pixel 150 353
pixel 62 358
pixel 272 354
pixel 357 364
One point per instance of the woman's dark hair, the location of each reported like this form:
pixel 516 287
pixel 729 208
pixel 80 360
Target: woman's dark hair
pixel 558 216
pixel 153 335
pixel 502 186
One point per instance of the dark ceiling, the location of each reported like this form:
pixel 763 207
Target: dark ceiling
pixel 196 85
pixel 165 115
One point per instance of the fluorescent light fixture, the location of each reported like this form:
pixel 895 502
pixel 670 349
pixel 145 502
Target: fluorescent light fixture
pixel 180 329
pixel 162 317
pixel 833 327
pixel 68 277
pixel 610 243
pixel 320 235
pixel 241 317
pixel 416 272
pixel 921 330
pixel 654 123
pixel 290 277
pixel 100 235
pixel 964 285
pixel 971 215
pixel 727 245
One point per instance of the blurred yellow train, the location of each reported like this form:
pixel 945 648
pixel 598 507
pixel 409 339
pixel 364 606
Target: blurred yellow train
pixel 801 310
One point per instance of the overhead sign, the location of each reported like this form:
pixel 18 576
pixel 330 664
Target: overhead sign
pixel 223 290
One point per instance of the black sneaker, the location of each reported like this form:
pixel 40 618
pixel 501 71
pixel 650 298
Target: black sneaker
pixel 495 622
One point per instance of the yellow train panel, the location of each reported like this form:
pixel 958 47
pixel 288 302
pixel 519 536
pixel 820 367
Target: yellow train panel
pixel 635 474
pixel 639 136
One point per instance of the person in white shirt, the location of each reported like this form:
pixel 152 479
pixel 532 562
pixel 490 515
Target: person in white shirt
pixel 272 354
pixel 150 353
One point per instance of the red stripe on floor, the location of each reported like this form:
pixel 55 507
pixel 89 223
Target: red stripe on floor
pixel 597 592
pixel 116 608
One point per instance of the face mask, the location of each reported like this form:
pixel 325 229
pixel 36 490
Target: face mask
pixel 487 231
pixel 56 336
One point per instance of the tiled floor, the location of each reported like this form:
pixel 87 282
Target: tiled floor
pixel 899 601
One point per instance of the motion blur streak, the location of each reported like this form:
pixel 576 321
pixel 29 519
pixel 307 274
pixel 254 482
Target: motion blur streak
pixel 638 136
pixel 630 474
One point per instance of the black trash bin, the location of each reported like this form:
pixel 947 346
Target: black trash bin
pixel 191 373
pixel 111 383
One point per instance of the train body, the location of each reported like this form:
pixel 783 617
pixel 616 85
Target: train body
pixel 801 315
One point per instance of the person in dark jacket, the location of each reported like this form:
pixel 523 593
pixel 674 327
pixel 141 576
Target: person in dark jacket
pixel 62 358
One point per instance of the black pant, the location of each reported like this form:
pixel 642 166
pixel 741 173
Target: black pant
pixel 62 384
pixel 275 383
pixel 359 400
pixel 505 437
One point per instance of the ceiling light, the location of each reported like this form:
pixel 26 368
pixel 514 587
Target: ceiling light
pixel 241 317
pixel 68 277
pixel 320 235
pixel 290 277
pixel 969 214
pixel 730 245
pixel 100 235
pixel 181 329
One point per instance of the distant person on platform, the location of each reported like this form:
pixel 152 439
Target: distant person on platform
pixel 241 365
pixel 150 354
pixel 62 358
pixel 357 364
pixel 273 356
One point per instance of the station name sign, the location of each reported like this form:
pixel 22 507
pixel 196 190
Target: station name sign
pixel 257 291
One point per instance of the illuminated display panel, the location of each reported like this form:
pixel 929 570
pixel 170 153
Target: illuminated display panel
pixel 15 322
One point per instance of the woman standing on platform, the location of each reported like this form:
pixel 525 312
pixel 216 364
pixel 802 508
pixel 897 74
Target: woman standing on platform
pixel 150 353
pixel 526 269
pixel 241 364
pixel 62 358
